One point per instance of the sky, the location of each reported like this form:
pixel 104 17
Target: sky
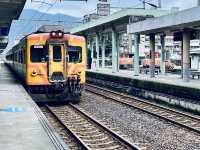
pixel 80 8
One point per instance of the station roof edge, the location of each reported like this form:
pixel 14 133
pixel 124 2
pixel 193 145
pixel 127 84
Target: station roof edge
pixel 179 20
pixel 118 15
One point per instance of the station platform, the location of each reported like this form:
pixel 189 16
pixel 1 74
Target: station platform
pixel 22 124
pixel 169 88
pixel 173 79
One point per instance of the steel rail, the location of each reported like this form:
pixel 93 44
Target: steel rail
pixel 119 138
pixel 66 128
pixel 114 134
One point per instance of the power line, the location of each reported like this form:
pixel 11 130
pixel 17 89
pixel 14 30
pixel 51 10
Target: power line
pixel 45 20
pixel 42 15
pixel 28 25
pixel 25 26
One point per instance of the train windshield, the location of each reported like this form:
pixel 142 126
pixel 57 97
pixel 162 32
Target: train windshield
pixel 57 53
pixel 75 54
pixel 38 53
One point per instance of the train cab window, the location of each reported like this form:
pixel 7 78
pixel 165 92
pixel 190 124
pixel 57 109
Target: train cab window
pixel 38 53
pixel 75 54
pixel 57 53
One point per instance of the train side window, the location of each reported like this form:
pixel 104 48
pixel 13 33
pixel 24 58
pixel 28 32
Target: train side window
pixel 75 54
pixel 20 57
pixel 38 53
pixel 23 56
pixel 15 57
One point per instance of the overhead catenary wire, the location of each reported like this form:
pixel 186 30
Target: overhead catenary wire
pixel 43 20
pixel 27 25
pixel 42 15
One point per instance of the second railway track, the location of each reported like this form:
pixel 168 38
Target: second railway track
pixel 179 118
pixel 90 133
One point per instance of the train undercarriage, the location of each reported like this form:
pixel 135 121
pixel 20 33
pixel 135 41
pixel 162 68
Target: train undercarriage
pixel 70 90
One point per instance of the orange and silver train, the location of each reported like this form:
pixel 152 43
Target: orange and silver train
pixel 147 61
pixel 52 63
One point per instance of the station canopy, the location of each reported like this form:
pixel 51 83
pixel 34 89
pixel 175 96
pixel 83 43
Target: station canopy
pixel 10 9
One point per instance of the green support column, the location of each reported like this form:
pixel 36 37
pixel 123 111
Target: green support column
pixel 87 47
pixel 115 49
pixel 136 54
pixel 118 49
pixel 103 52
pixel 162 56
pixel 97 50
pixel 152 54
pixel 92 49
pixel 92 52
pixel 186 55
pixel 182 59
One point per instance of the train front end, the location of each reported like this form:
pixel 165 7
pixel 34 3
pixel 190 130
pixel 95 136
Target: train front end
pixel 56 65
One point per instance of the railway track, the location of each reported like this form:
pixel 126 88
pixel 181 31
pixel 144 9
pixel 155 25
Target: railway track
pixel 190 122
pixel 60 128
pixel 89 133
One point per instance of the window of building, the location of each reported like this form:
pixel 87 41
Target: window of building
pixel 75 54
pixel 38 53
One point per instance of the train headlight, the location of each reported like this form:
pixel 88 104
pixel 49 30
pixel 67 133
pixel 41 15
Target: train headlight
pixel 34 73
pixel 60 34
pixel 57 34
pixel 53 34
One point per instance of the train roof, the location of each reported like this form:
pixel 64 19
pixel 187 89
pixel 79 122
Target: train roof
pixel 38 33
pixel 50 28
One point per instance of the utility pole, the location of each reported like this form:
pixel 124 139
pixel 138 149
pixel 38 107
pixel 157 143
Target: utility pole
pixel 160 4
pixel 144 4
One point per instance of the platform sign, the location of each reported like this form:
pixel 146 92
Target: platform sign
pixel 103 9
pixel 3 39
pixel 3 42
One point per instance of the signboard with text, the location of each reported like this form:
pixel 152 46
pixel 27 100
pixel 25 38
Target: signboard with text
pixel 103 9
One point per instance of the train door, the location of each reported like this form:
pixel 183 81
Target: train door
pixel 56 62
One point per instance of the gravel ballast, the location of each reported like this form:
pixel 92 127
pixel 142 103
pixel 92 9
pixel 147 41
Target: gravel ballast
pixel 139 127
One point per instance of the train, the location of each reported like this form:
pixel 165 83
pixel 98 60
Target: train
pixel 51 62
pixel 127 61
pixel 169 65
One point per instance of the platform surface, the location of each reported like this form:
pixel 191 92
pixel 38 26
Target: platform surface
pixel 172 79
pixel 21 128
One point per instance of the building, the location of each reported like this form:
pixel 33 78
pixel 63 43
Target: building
pixel 195 58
